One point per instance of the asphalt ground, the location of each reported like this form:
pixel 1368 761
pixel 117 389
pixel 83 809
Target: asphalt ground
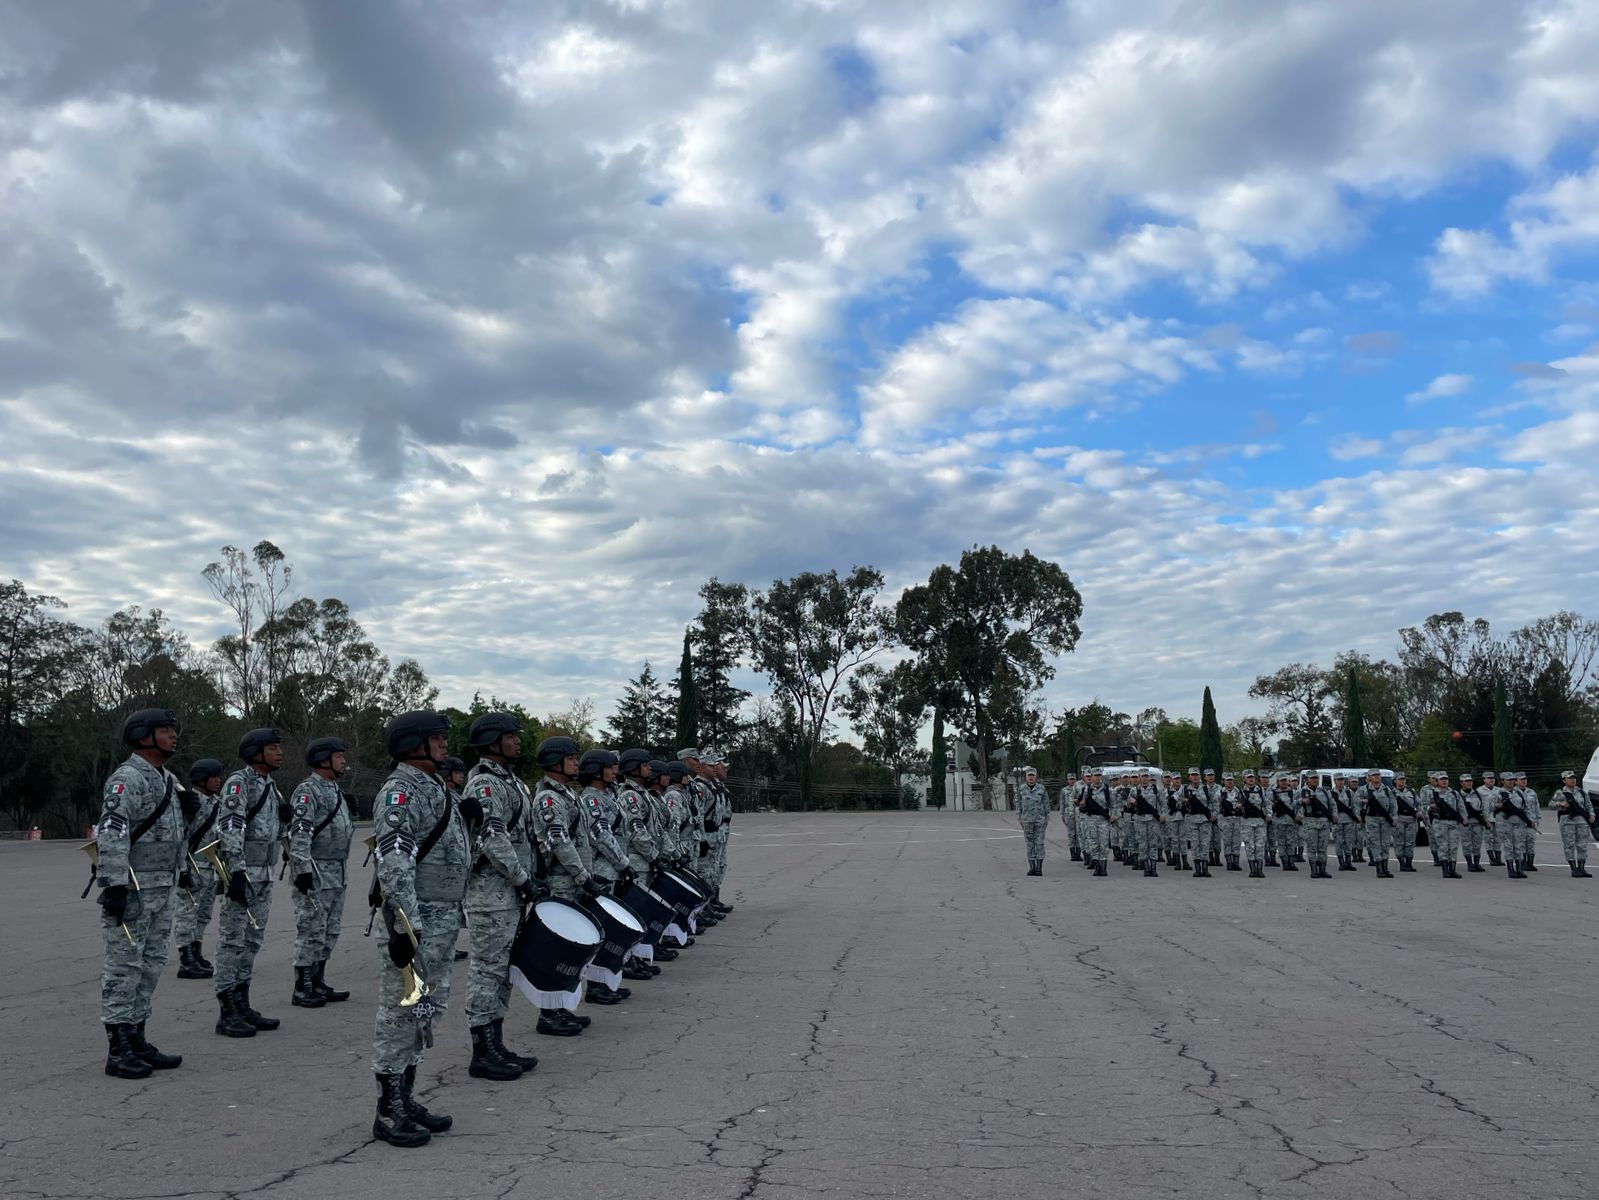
pixel 893 1010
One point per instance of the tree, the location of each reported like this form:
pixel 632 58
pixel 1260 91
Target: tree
pixel 806 635
pixel 1504 734
pixel 253 659
pixel 576 721
pixel 983 633
pixel 1355 726
pixel 1211 755
pixel 641 717
pixel 937 764
pixel 1251 735
pixel 719 636
pixel 1298 694
pixel 1436 749
pixel 1179 744
pixel 688 705
pixel 887 710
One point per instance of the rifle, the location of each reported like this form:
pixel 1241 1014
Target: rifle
pixel 1511 808
pixel 1317 808
pixel 1404 810
pixel 1345 808
pixel 1446 808
pixel 1280 808
pixel 1252 811
pixel 1474 814
pixel 1144 804
pixel 1374 808
pixel 1574 809
pixel 1091 805
pixel 1193 799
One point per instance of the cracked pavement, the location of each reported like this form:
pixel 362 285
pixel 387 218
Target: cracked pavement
pixel 894 1010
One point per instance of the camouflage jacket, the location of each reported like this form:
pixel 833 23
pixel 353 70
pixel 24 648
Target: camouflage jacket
pixel 132 793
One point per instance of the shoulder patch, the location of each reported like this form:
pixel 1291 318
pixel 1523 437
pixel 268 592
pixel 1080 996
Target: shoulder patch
pixel 548 801
pixel 485 791
pixel 394 798
pixel 233 788
pixel 394 818
pixel 115 789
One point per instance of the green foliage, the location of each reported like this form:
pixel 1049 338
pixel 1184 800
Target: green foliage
pixel 1355 726
pixel 888 710
pixel 687 724
pixel 1435 748
pixel 1504 733
pixel 719 636
pixel 937 763
pixel 644 716
pixel 1211 754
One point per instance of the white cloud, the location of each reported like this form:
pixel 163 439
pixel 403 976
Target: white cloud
pixel 1441 387
pixel 1351 447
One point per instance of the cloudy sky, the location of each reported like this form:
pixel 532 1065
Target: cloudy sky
pixel 1276 325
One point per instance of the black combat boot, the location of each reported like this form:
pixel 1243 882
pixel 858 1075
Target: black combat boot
pixel 1215 858
pixel 332 995
pixel 1494 859
pixel 1527 863
pixel 205 963
pixel 551 1025
pixel 230 1022
pixel 120 1060
pixel 161 1062
pixel 1232 863
pixel 1359 854
pixel 1182 862
pixel 1076 853
pixel 1199 867
pixel 1572 867
pixel 1271 858
pixel 188 967
pixel 1100 868
pixel 1406 864
pixel 485 1063
pixel 1382 870
pixel 1451 871
pixel 1149 869
pixel 1582 869
pixel 431 1121
pixel 1288 863
pixel 1474 864
pixel 305 993
pixel 1512 870
pixel 241 997
pixel 497 1034
pixel 393 1123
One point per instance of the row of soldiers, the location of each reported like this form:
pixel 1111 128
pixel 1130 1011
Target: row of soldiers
pixel 1144 817
pixel 453 848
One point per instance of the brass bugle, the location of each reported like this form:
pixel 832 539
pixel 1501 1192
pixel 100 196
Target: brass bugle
pixel 92 849
pixel 221 868
pixel 415 986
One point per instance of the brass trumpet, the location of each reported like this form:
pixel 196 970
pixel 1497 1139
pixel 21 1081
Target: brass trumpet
pixel 221 869
pixel 92 849
pixel 415 986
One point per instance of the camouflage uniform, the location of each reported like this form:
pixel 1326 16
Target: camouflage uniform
pixel 663 823
pixel 603 812
pixel 561 832
pixel 1068 817
pixel 1032 812
pixel 1475 809
pixel 1285 825
pixel 638 827
pixel 132 962
pixel 1445 805
pixel 1347 827
pixel 1202 801
pixel 1576 835
pixel 1229 825
pixel 1407 824
pixel 1148 832
pixel 1489 797
pixel 1314 803
pixel 249 829
pixel 1254 826
pixel 429 890
pixel 724 817
pixel 699 808
pixel 1094 825
pixel 320 830
pixel 196 902
pixel 502 862
pixel 1535 811
pixel 1381 811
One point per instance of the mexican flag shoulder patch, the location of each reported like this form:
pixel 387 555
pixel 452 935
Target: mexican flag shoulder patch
pixel 394 798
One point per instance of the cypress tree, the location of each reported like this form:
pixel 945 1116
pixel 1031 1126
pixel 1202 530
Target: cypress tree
pixel 1504 735
pixel 1355 726
pixel 936 768
pixel 688 701
pixel 1210 752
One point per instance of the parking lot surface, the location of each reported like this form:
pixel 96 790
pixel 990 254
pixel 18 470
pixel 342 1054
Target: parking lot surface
pixel 894 1009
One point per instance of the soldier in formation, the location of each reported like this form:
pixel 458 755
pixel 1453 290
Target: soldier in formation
pixel 1032 811
pixel 249 829
pixel 197 882
pixel 320 830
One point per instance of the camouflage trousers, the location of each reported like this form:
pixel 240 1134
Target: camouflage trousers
pixel 1230 831
pixel 1346 838
pixel 238 941
pixel 397 1040
pixel 1379 840
pixel 488 983
pixel 194 906
pixel 1517 840
pixel 318 918
pixel 1315 833
pixel 1033 831
pixel 1069 818
pixel 1176 836
pixel 1575 838
pixel 1254 834
pixel 1445 840
pixel 1200 832
pixel 1405 838
pixel 1148 835
pixel 129 970
pixel 1471 838
pixel 1290 838
pixel 1095 835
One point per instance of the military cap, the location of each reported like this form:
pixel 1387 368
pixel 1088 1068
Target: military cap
pixel 1224 774
pixel 687 753
pixel 1568 774
pixel 1210 770
pixel 1029 770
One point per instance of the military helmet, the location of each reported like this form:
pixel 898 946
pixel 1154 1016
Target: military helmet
pixel 677 769
pixel 632 760
pixel 452 766
pixel 490 728
pixel 145 722
pixel 257 740
pixel 659 767
pixel 320 751
pixel 408 732
pixel 206 768
pixel 596 760
pixel 553 749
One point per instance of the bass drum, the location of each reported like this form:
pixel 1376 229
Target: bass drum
pixel 694 878
pixel 623 930
pixel 676 889
pixel 557 940
pixel 651 909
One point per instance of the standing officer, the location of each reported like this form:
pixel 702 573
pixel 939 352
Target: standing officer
pixel 1032 811
pixel 421 850
pixel 1069 794
pixel 1381 816
pixel 1514 827
pixel 1488 798
pixel 1093 823
pixel 139 851
pixel 1576 823
pixel 1474 813
pixel 1285 821
pixel 249 829
pixel 1529 801
pixel 597 771
pixel 197 882
pixel 1149 821
pixel 1405 822
pixel 499 884
pixel 319 844
pixel 1255 816
pixel 561 833
pixel 1228 822
pixel 1447 818
pixel 1213 805
pixel 1317 807
pixel 1346 823
pixel 638 838
pixel 1201 799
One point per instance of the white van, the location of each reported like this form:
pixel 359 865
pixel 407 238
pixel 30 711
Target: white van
pixel 1327 775
pixel 1590 778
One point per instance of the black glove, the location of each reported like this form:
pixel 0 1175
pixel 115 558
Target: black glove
pixel 594 885
pixel 114 900
pixel 189 805
pixel 285 812
pixel 627 878
pixel 401 951
pixel 302 882
pixel 186 881
pixel 238 891
pixel 471 810
pixel 222 889
pixel 528 893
